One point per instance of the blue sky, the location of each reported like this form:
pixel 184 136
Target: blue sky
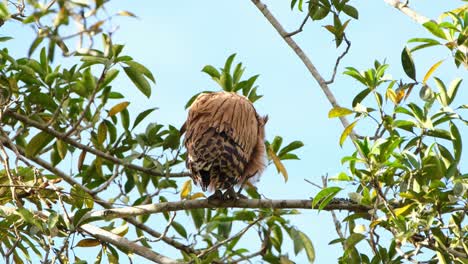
pixel 175 40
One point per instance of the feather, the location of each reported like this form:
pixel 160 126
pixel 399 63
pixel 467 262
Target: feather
pixel 224 137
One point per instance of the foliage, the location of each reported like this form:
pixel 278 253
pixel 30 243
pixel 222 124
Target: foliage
pixel 61 106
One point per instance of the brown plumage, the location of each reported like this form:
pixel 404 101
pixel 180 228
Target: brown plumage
pixel 224 140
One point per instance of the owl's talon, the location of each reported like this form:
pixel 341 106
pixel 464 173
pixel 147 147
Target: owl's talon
pixel 217 196
pixel 229 194
pixel 241 196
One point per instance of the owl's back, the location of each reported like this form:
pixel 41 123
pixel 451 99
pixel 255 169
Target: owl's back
pixel 223 131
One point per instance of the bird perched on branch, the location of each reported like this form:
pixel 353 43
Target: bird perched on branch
pixel 225 142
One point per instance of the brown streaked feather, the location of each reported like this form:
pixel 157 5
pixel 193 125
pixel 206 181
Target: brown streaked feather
pixel 224 140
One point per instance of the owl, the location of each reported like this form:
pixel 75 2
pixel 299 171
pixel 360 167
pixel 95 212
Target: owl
pixel 225 141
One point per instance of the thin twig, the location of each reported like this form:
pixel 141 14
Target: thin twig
pixel 338 60
pixel 108 182
pixel 225 241
pixel 288 35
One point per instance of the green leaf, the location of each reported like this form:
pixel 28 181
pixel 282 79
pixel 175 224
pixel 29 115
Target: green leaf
pixel 347 131
pixel 34 45
pixel 290 147
pixel 179 228
pixel 212 71
pixel 325 196
pixel 4 13
pixel 308 246
pixel 142 116
pixel 110 76
pixel 453 88
pixel 62 148
pixel 227 65
pixel 139 80
pixel 125 117
pixel 3 39
pixel 141 68
pixel 434 28
pixel 37 143
pixel 276 144
pixel 198 216
pixel 102 133
pixel 456 141
pixel 408 63
pixel 339 111
pixel 443 96
pixel 351 11
pixel 352 240
pixel 361 96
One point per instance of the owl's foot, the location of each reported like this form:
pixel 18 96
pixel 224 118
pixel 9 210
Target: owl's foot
pixel 217 196
pixel 230 194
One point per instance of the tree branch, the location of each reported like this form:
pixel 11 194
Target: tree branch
pixel 335 204
pixel 70 180
pixel 124 243
pixel 403 7
pixel 108 237
pixel 304 58
pixel 65 138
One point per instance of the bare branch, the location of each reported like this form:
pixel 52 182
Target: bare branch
pixel 108 237
pixel 335 204
pixel 124 243
pixel 304 58
pixel 403 7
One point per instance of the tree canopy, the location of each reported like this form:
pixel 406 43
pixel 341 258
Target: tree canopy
pixel 88 179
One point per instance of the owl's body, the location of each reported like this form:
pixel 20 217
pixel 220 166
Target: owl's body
pixel 224 140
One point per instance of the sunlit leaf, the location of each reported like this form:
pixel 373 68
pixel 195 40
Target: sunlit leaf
pixel 434 28
pixel 197 195
pixel 118 108
pixel 278 164
pixel 325 196
pixel 126 13
pixel 186 189
pixel 339 111
pixel 453 88
pixel 346 132
pixel 88 242
pixel 431 70
pixel 121 230
pixel 403 210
